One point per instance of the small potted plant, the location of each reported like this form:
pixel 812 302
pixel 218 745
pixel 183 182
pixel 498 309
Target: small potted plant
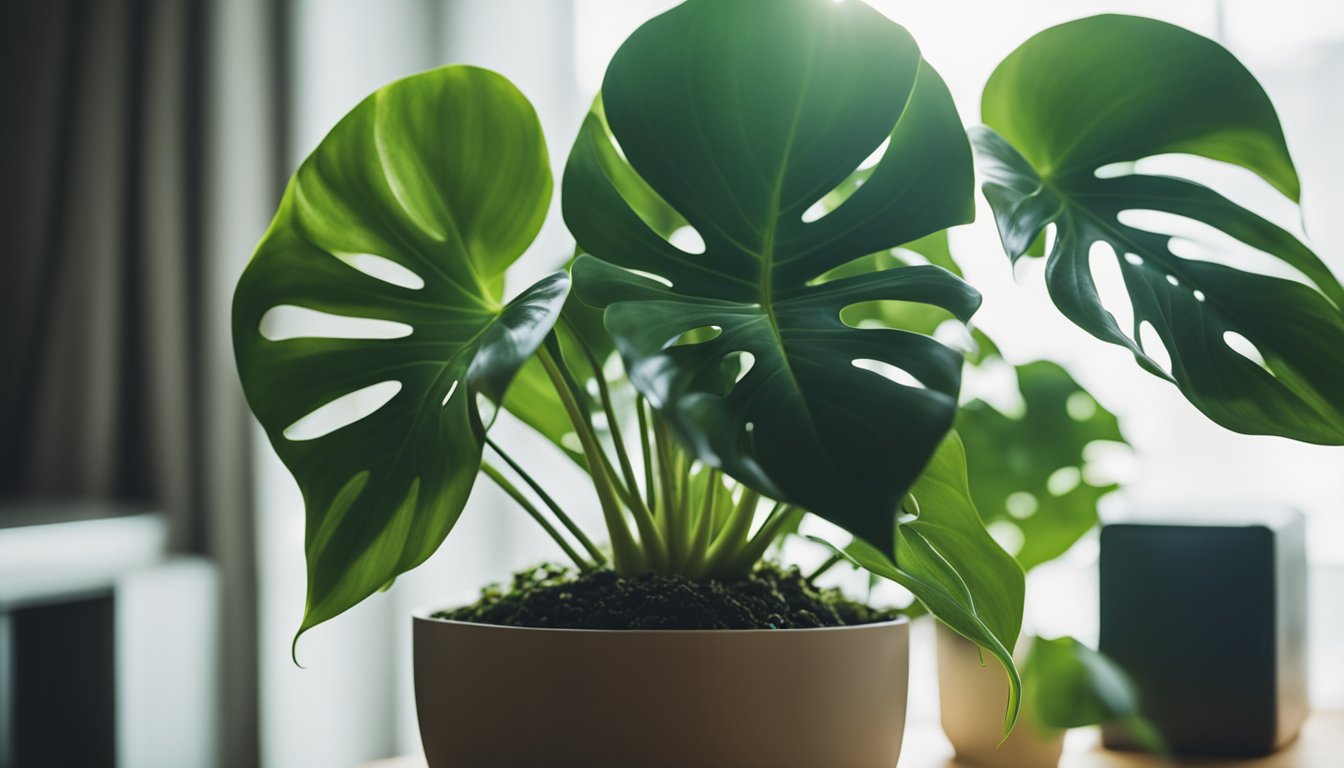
pixel 726 353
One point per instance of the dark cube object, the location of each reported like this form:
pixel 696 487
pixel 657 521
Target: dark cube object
pixel 1210 619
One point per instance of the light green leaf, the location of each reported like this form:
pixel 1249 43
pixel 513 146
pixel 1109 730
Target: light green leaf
pixel 444 175
pixel 1068 685
pixel 1108 90
pixel 741 116
pixel 1029 470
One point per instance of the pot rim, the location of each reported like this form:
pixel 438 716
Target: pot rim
pixel 424 614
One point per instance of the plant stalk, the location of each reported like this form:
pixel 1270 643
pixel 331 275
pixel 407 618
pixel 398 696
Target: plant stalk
pixel 593 550
pixel 517 496
pixel 625 552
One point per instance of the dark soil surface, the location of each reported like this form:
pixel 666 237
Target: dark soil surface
pixel 771 598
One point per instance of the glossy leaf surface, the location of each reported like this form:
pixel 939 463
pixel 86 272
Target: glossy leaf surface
pixel 444 175
pixel 947 560
pixel 1094 94
pixel 741 116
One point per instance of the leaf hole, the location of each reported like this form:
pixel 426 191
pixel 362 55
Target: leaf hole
pixel 893 313
pixel 1195 240
pixel 815 211
pixel 287 321
pixel 1115 170
pixel 1241 185
pixel 382 268
pixel 1134 259
pixel 342 411
pixel 889 372
pixel 449 396
pixel 733 368
pixel 663 281
pixel 1244 347
pixel 908 257
pixel 1021 504
pixel 876 156
pixel 1199 295
pixel 698 335
pixel 686 239
pixel 1063 480
pixel 1152 345
pixel 841 192
pixel 1007 535
pixel 570 441
pixel 1110 282
pixel 745 362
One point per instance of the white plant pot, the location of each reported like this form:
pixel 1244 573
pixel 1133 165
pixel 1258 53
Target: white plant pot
pixel 972 697
pixel 799 698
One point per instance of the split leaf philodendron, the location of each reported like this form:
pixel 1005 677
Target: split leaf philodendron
pixel 780 366
pixel 1079 99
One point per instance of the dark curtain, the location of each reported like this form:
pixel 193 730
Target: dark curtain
pixel 117 382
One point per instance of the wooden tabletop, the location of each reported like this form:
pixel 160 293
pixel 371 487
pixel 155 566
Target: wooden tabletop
pixel 1320 746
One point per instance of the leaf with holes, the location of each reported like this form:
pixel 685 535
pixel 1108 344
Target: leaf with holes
pixel 741 116
pixel 442 180
pixel 1027 470
pixel 1092 95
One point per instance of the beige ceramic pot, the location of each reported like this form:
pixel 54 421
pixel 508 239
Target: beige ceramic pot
pixel 552 698
pixel 972 697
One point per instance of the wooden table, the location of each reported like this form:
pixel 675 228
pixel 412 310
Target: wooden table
pixel 1320 746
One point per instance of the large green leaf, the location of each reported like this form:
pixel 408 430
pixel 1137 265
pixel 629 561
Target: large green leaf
pixel 446 175
pixel 741 115
pixel 1111 89
pixel 1028 469
pixel 947 560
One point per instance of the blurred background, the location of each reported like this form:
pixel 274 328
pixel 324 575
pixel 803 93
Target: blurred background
pixel 151 543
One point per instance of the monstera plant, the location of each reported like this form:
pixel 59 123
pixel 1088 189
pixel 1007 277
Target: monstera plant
pixel 748 338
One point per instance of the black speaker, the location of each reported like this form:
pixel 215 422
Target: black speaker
pixel 1210 620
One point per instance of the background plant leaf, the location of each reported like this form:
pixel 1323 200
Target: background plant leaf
pixel 1068 685
pixel 1108 90
pixel 741 116
pixel 446 175
pixel 1029 469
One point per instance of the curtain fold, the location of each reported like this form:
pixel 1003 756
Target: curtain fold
pixel 116 374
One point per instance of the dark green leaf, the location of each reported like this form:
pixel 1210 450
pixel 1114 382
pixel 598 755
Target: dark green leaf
pixel 1108 90
pixel 740 116
pixel 446 175
pixel 1012 459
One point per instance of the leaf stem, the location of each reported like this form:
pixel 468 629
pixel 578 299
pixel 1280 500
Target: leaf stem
pixel 733 537
pixel 780 518
pixel 570 525
pixel 654 546
pixel 625 552
pixel 646 450
pixel 530 508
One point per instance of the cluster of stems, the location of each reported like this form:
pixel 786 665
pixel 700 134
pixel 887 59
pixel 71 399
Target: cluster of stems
pixel 664 512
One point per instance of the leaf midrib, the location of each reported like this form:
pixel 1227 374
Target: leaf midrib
pixel 767 255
